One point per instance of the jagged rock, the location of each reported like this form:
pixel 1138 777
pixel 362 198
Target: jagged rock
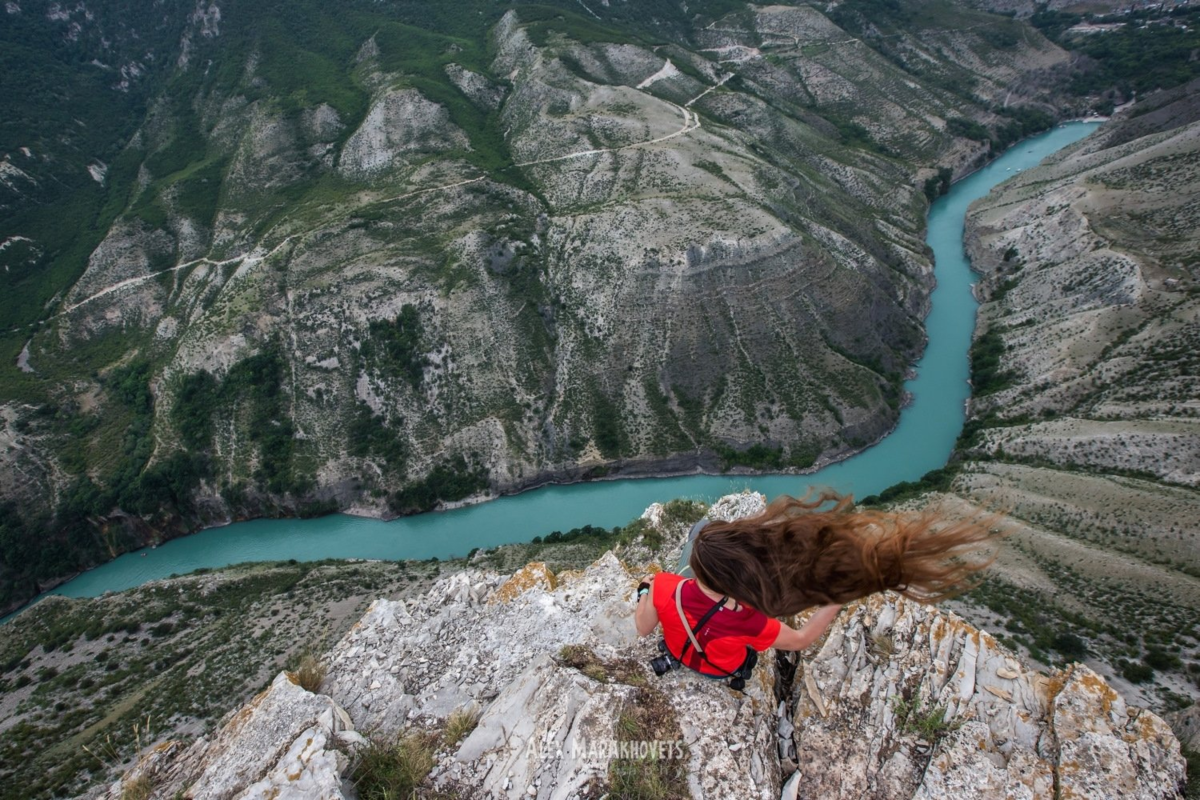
pixel 1186 724
pixel 980 725
pixel 279 745
pixel 551 720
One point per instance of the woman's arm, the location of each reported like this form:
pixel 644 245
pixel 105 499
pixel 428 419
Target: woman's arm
pixel 645 617
pixel 791 639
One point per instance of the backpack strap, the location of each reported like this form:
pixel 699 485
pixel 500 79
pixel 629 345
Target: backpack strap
pixel 691 632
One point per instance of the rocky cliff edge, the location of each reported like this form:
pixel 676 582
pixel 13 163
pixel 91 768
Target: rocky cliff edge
pixel 899 701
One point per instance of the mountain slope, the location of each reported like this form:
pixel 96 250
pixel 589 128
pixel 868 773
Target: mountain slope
pixel 390 257
pixel 1084 421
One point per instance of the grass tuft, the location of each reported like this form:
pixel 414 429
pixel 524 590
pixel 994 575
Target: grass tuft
pixel 584 659
pixel 459 724
pixel 882 646
pixel 309 673
pixel 393 769
pixel 660 774
pixel 928 723
pixel 138 789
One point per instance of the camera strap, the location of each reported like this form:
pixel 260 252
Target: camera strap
pixel 692 632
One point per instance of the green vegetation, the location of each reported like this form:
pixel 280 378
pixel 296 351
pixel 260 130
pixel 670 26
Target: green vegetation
pixel 1140 59
pixel 608 426
pixel 926 722
pixel 393 769
pixel 986 374
pixel 251 391
pixel 937 185
pixel 396 346
pixel 762 457
pixel 373 435
pixel 76 535
pixel 967 128
pixel 936 480
pixel 1127 627
pixel 1025 122
pixel 660 773
pixel 1152 49
pixel 855 16
pixel 447 482
pixel 1191 790
pixel 584 659
pixel 460 723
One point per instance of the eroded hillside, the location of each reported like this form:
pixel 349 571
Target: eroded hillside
pixel 372 263
pixel 1085 421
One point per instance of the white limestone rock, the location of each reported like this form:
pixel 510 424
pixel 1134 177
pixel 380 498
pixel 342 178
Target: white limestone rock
pixel 1008 732
pixel 550 730
pixel 400 122
pixel 279 745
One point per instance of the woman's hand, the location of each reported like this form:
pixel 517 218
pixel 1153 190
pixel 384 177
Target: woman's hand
pixel 645 617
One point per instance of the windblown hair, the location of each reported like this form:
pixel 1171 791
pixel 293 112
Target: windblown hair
pixel 796 554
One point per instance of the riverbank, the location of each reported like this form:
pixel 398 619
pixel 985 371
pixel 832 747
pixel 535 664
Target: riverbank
pixel 921 441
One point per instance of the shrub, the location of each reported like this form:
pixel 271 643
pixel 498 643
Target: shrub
pixel 927 723
pixel 1070 645
pixel 1135 672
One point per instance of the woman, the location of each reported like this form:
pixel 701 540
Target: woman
pixel 794 556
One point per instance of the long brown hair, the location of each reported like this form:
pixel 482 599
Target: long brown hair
pixel 796 554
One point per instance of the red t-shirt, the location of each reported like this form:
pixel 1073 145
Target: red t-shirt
pixel 724 637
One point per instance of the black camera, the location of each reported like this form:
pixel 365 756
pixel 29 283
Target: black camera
pixel 664 663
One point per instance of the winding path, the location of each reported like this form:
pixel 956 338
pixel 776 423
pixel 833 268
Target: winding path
pixel 691 122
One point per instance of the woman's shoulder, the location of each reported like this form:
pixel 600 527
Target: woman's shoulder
pixel 663 582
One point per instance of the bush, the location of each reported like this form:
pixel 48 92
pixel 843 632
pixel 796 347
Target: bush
pixel 447 482
pixel 396 346
pixel 927 723
pixel 1070 645
pixel 968 129
pixel 1135 672
pixel 1161 660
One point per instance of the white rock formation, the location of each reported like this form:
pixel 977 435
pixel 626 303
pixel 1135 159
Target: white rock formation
pixel 550 730
pixel 982 725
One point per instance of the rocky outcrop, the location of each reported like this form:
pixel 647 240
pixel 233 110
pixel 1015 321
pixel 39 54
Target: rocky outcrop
pixel 900 701
pixel 907 701
pixel 285 743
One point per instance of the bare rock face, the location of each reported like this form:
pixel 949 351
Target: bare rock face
pixel 1186 724
pixel 907 701
pixel 400 123
pixel 900 701
pixel 285 743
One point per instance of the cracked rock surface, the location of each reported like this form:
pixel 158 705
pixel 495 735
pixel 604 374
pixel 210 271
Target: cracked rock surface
pixel 901 700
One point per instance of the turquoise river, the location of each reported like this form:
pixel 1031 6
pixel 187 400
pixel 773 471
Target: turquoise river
pixel 922 441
